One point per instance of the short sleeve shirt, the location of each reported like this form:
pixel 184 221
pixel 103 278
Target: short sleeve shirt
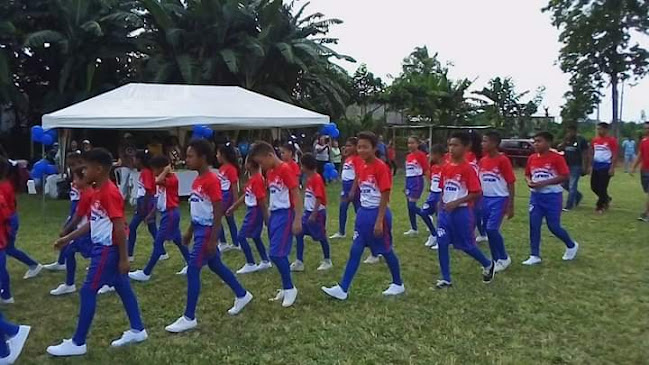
pixel 545 167
pixel 206 189
pixel 107 204
pixel 496 173
pixel 373 180
pixel 315 189
pixel 255 190
pixel 280 182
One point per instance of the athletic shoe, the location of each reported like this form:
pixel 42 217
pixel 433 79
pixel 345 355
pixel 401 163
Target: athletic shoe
pixel 67 348
pixel 106 289
pixel 247 268
pixel 325 265
pixel 236 248
pixel 533 260
pixel 17 343
pixel 443 284
pixel 264 265
pixel 63 289
pixel 225 247
pixel 435 246
pixel 279 296
pixel 129 337
pixel 297 266
pixel 182 271
pixel 131 258
pixel 643 218
pixel 571 253
pixel 394 289
pixel 481 239
pixel 371 259
pixel 239 304
pixel 33 271
pixel 7 301
pixel 502 265
pixel 488 273
pixel 335 292
pixel 411 232
pixel 55 266
pixel 337 236
pixel 289 297
pixel 164 257
pixel 182 324
pixel 139 275
pixel 432 241
pixel 565 210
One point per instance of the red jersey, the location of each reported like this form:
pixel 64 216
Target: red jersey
pixel 9 194
pixel 373 179
pixel 315 189
pixel 604 152
pixel 255 190
pixel 206 189
pixel 644 154
pixel 146 183
pixel 496 173
pixel 167 194
pixel 281 180
pixel 4 217
pixel 228 175
pixel 392 154
pixel 468 157
pixel 416 164
pixel 85 205
pixel 542 167
pixel 106 205
pixel 351 167
pixel 458 181
pixel 435 178
pixel 295 168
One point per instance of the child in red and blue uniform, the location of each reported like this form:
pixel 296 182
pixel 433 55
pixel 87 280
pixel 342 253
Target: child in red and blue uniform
pixel 5 281
pixel 287 154
pixel 373 226
pixel 430 206
pixel 456 220
pixel 417 167
pixel 109 259
pixel 256 216
pixel 497 179
pixel 350 192
pixel 206 213
pixel 314 220
pixel 545 171
pixel 229 175
pixel 12 340
pixel 603 151
pixel 167 202
pixel 285 215
pixel 145 197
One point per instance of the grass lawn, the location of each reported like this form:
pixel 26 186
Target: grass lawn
pixel 593 310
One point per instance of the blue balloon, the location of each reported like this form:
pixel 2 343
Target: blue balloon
pixel 207 132
pixel 47 140
pixel 335 133
pixel 37 133
pixel 53 133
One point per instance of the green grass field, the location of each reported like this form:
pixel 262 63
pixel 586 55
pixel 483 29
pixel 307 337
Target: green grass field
pixel 590 311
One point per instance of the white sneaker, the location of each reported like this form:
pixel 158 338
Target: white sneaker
pixel 129 337
pixel 7 301
pixel 131 258
pixel 571 253
pixel 533 260
pixel 239 304
pixel 432 241
pixel 182 271
pixel 33 271
pixel 164 257
pixel 337 236
pixel 67 348
pixel 335 292
pixel 106 289
pixel 139 275
pixel 182 324
pixel 371 259
pixel 297 266
pixel 55 266
pixel 289 297
pixel 435 246
pixel 481 239
pixel 410 232
pixel 264 265
pixel 225 247
pixel 279 296
pixel 17 343
pixel 63 289
pixel 325 265
pixel 236 248
pixel 502 265
pixel 394 289
pixel 247 268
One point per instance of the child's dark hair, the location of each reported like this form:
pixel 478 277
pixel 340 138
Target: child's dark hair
pixel 309 162
pixel 78 172
pixel 99 156
pixel 72 156
pixel 229 154
pixel 289 147
pixel 547 136
pixel 416 138
pixel 476 143
pixel 463 137
pixel 438 149
pixel 260 148
pixel 370 137
pixel 252 163
pixel 494 137
pixel 352 140
pixel 159 162
pixel 144 157
pixel 603 125
pixel 202 148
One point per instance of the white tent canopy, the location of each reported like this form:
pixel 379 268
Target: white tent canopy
pixel 159 106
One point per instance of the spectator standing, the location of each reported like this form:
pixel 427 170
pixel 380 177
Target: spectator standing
pixel 575 150
pixel 321 151
pixel 335 155
pixel 125 168
pixel 628 146
pixel 643 161
pixel 392 157
pixel 382 150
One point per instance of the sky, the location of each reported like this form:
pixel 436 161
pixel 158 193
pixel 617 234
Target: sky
pixel 482 39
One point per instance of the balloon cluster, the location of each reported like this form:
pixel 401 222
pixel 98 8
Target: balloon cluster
pixel 202 131
pixel 43 167
pixel 47 138
pixel 330 173
pixel 331 130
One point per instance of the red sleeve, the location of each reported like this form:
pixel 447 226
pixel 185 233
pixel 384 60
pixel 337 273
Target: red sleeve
pixel 383 178
pixel 561 165
pixel 319 189
pixel 83 209
pixel 232 175
pixel 615 147
pixel 528 167
pixel 472 181
pixel 258 188
pixel 4 211
pixel 113 203
pixel 289 178
pixel 507 170
pixel 171 183
pixel 423 161
pixel 213 189
pixel 148 181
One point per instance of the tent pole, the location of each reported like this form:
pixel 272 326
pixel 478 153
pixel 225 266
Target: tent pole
pixel 430 138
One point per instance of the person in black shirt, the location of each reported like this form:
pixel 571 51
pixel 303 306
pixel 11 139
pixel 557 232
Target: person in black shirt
pixel 575 150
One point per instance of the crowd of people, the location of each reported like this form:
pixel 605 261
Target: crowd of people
pixel 471 186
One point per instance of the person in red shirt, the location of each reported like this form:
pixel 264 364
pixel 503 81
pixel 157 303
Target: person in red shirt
pixel 229 175
pixel 430 206
pixel 167 202
pixel 109 263
pixel 145 195
pixel 314 220
pixel 5 281
pixel 643 161
pixel 350 193
pixel 256 216
pixel 392 157
pixel 545 171
pixel 287 153
pixel 603 151
pixel 456 221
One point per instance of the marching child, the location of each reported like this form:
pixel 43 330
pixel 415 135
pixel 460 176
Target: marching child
pixel 416 168
pixel 109 259
pixel 167 202
pixel 285 215
pixel 256 216
pixel 545 171
pixel 497 179
pixel 5 280
pixel 287 153
pixel 229 175
pixel 373 226
pixel 314 220
pixel 205 205
pixel 12 340
pixel 456 221
pixel 350 193
pixel 430 206
pixel 145 202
